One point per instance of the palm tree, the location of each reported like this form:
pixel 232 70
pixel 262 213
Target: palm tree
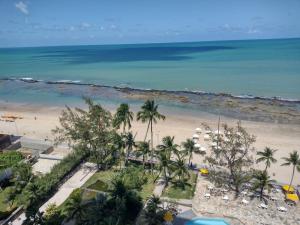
pixel 129 144
pixel 144 150
pixel 168 146
pixel 190 149
pixel 123 116
pixel 180 170
pixel 153 212
pixel 74 209
pixel 293 160
pixel 164 166
pixel 268 156
pixel 262 180
pixel 150 114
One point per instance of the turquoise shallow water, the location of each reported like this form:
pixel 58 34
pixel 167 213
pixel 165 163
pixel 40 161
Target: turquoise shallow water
pixel 207 222
pixel 260 67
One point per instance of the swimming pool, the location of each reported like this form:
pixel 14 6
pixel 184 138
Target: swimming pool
pixel 206 221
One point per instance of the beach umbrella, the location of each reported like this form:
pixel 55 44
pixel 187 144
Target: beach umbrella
pixel 292 197
pixel 197 145
pixel 226 139
pixel 168 217
pixel 196 136
pixel 287 187
pixel 198 130
pixel 226 198
pixel 203 149
pixel 204 171
pixel 206 137
pixel 218 132
pixel 214 144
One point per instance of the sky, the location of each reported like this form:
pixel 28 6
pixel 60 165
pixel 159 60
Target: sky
pixel 88 22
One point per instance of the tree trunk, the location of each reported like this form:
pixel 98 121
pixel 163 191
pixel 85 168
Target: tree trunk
pixel 166 178
pixel 190 158
pixel 152 150
pixel 292 178
pixel 266 168
pixel 147 131
pixel 261 192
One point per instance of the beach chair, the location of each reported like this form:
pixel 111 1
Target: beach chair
pixel 244 202
pixel 282 209
pixel 207 195
pixel 263 206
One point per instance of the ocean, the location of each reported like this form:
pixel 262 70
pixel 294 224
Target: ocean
pixel 263 68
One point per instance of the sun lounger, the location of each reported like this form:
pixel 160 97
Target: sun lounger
pixel 225 198
pixel 263 206
pixel 207 195
pixel 245 202
pixel 206 137
pixel 282 209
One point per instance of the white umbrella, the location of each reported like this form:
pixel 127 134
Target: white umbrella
pixel 214 144
pixel 206 137
pixel 197 145
pixel 218 132
pixel 196 136
pixel 202 148
pixel 198 130
pixel 225 198
pixel 244 201
pixel 208 131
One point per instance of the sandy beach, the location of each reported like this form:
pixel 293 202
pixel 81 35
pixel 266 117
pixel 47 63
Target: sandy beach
pixel 38 121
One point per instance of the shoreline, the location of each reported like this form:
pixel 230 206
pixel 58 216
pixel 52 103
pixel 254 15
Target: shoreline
pixel 260 109
pixel 39 120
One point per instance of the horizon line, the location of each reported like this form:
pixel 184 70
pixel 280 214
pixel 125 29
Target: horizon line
pixel 150 43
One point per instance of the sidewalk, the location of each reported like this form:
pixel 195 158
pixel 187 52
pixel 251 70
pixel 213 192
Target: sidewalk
pixel 77 180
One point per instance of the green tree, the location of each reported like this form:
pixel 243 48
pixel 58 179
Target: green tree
pixel 180 170
pixel 190 149
pixel 293 160
pixel 11 196
pixel 233 153
pixel 164 166
pixel 91 130
pixel 153 213
pixel 123 117
pixel 129 144
pixel 52 215
pixel 22 175
pixel 126 203
pixel 149 113
pixel 266 156
pixel 74 208
pixel 143 150
pixel 168 146
pixel 262 180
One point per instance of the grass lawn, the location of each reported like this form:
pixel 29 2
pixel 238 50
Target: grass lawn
pixel 147 189
pixel 178 193
pixel 101 181
pixel 104 176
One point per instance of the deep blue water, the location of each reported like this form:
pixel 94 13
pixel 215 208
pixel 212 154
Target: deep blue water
pixel 256 67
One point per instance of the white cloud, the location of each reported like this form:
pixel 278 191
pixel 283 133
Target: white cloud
pixel 85 25
pixel 22 7
pixel 252 31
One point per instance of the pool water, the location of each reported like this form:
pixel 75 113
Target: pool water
pixel 207 222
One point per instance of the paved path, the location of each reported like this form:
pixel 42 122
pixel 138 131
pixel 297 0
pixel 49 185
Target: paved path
pixel 77 180
pixel 159 187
